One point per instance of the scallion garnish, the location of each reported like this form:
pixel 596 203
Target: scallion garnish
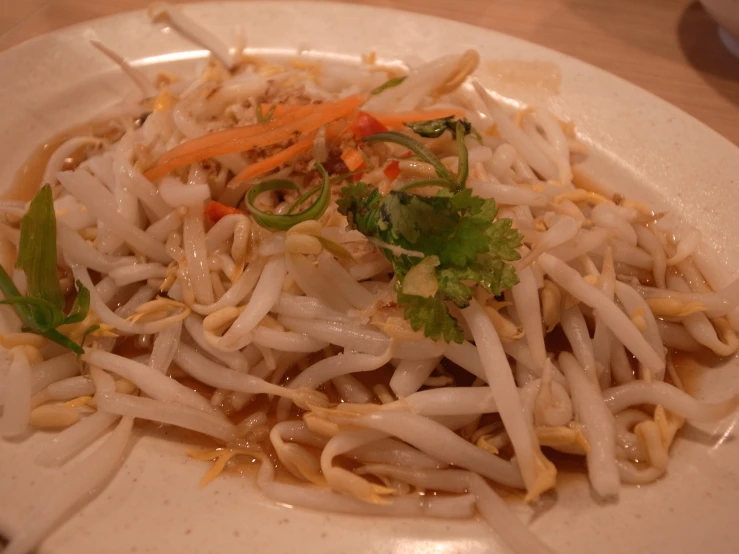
pixel 41 310
pixel 279 222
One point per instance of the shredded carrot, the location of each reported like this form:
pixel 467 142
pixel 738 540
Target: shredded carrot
pixel 216 211
pixel 397 119
pixel 273 162
pixel 353 159
pixel 235 133
pixel 321 115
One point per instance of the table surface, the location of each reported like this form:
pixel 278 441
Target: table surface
pixel 669 47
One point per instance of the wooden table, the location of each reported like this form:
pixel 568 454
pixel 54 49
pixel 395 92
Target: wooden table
pixel 669 47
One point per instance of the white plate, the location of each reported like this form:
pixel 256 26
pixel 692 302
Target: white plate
pixel 644 147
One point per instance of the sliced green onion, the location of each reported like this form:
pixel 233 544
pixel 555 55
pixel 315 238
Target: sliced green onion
pixel 303 198
pixel 283 222
pixel 463 169
pixel 37 249
pixel 335 248
pixel 57 337
pixel 81 305
pixel 41 310
pixel 388 84
pixel 417 148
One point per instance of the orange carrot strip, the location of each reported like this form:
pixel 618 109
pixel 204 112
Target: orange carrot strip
pixel 215 211
pixel 397 119
pixel 323 114
pixel 219 137
pixel 353 159
pixel 273 162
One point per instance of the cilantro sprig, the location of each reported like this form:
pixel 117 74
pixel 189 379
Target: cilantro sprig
pixel 460 230
pixel 41 310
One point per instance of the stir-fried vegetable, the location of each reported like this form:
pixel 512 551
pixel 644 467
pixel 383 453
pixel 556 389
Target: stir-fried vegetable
pixel 426 155
pixel 258 135
pixel 41 310
pixel 460 232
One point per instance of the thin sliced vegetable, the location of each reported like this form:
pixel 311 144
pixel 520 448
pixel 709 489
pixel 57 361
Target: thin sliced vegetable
pixel 399 118
pixel 225 135
pixel 248 139
pixel 418 149
pixel 41 310
pixel 284 222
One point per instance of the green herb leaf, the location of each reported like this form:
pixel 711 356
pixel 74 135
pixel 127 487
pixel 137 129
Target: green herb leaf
pixel 81 305
pixel 41 310
pixel 431 315
pixel 335 248
pixel 284 222
pixel 388 84
pixel 90 329
pixel 434 128
pixel 463 166
pixel 37 249
pixel 473 247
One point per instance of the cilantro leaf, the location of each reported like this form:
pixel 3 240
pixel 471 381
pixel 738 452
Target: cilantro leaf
pixel 431 315
pixel 37 249
pixel 451 284
pixel 473 248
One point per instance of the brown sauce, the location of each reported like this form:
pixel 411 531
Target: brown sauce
pixel 691 368
pixel 28 178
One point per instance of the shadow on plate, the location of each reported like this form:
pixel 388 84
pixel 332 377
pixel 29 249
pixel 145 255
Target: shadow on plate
pixel 698 38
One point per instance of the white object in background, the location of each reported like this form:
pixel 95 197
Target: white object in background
pixel 726 14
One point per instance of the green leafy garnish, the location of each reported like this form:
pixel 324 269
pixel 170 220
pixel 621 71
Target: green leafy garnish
pixel 434 128
pixel 388 84
pixel 41 310
pixel 283 222
pixel 459 230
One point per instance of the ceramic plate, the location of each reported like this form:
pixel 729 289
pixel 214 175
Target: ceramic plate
pixel 641 146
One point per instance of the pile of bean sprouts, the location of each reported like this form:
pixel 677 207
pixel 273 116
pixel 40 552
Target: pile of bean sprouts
pixel 281 335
